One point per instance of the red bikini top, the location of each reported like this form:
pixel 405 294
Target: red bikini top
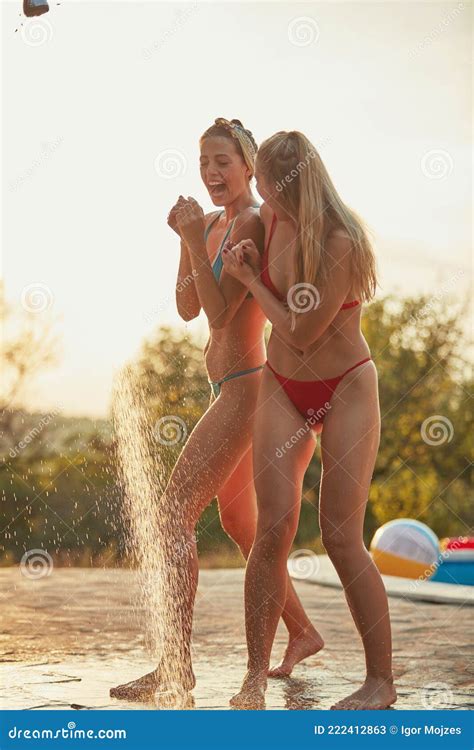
pixel 265 273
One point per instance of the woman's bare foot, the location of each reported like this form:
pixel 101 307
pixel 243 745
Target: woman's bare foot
pixel 142 689
pixel 173 696
pixel 306 644
pixel 145 687
pixel 252 692
pixel 376 693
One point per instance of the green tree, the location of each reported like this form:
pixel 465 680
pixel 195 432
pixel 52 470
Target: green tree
pixel 424 466
pixel 60 491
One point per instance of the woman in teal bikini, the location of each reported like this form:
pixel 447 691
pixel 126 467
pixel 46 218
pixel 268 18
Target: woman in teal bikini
pixel 217 458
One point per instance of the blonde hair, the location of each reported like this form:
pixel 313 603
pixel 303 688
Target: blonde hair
pixel 290 162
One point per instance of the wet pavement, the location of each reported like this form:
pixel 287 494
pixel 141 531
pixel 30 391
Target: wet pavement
pixel 67 638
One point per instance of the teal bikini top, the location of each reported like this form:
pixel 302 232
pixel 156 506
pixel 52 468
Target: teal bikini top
pixel 218 264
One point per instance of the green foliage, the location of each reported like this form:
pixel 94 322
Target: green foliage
pixel 60 493
pixel 424 466
pixel 170 368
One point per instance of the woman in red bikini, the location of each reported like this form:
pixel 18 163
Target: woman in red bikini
pixel 217 458
pixel 318 267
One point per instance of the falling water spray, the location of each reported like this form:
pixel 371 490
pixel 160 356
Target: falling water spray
pixel 152 525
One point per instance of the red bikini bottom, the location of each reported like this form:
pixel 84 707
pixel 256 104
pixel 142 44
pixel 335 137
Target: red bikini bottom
pixel 312 398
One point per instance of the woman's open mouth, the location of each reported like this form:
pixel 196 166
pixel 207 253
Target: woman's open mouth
pixel 216 189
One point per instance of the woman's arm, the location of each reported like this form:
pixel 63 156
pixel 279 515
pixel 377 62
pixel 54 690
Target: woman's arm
pixel 187 300
pixel 324 303
pixel 232 291
pixel 221 301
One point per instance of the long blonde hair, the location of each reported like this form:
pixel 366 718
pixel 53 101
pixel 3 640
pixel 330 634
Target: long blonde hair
pixel 290 162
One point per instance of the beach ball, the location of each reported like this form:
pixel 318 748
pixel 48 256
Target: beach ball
pixel 405 548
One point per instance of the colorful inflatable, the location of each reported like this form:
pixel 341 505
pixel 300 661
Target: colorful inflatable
pixel 456 561
pixel 405 548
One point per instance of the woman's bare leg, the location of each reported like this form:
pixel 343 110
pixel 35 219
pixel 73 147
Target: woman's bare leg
pixel 349 444
pixel 278 483
pixel 209 457
pixel 238 512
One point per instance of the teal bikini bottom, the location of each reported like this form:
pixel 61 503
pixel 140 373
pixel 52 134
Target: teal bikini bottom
pixel 216 387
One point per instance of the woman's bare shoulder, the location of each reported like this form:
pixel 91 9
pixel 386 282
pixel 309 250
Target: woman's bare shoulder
pixel 249 226
pixel 249 217
pixel 211 215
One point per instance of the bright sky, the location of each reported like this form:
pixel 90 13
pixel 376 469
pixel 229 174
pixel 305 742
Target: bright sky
pixel 101 99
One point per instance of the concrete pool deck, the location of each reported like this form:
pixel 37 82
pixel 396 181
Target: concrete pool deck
pixel 67 638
